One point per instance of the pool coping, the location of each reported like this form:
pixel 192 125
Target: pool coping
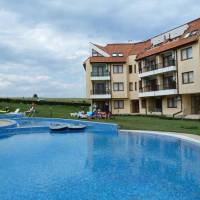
pixel 183 136
pixel 11 124
pixel 74 119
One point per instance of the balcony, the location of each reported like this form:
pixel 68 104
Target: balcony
pixel 100 76
pixel 158 90
pixel 100 94
pixel 160 68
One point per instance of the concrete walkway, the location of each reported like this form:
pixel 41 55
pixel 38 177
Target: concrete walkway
pixel 184 136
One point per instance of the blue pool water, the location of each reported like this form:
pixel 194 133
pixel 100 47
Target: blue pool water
pixel 98 165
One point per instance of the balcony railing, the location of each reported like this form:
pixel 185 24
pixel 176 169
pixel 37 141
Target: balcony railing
pixel 153 88
pixel 100 74
pixel 148 68
pixel 100 92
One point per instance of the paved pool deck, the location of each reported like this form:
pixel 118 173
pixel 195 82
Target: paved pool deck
pixel 4 122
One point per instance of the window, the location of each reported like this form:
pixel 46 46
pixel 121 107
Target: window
pixel 135 69
pixel 130 69
pixel 118 86
pixel 168 60
pixel 130 86
pixel 117 69
pixel 172 102
pixel 140 86
pixel 194 32
pixel 117 54
pixel 135 86
pixel 95 53
pixel 150 63
pixel 140 67
pixel 99 69
pixel 118 104
pixel 144 103
pixel 186 53
pixel 169 82
pixel 188 77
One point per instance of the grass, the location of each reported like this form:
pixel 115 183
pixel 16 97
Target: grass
pixel 46 110
pixel 125 122
pixel 157 124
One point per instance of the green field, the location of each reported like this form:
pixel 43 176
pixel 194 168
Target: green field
pixel 125 122
pixel 157 124
pixel 46 110
pixel 48 100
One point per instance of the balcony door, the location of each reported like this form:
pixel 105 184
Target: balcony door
pixel 99 70
pixel 150 85
pixel 158 105
pixel 169 82
pixel 150 64
pixel 155 104
pixel 168 60
pixel 153 84
pixel 99 88
pixel 135 106
pixel 196 104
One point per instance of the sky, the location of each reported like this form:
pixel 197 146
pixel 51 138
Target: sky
pixel 43 43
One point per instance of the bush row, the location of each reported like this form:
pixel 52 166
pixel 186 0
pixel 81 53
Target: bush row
pixel 43 102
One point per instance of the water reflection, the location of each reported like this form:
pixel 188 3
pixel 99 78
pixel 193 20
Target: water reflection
pixel 152 158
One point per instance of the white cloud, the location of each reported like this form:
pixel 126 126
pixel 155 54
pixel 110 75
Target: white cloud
pixel 44 42
pixel 41 49
pixel 23 84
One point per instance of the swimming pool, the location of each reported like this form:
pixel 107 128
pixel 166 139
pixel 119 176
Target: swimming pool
pixel 99 163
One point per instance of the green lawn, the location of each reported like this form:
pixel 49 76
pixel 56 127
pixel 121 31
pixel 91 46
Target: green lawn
pixel 60 111
pixel 125 122
pixel 157 124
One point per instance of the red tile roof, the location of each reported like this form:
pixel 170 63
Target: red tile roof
pixel 180 41
pixel 166 46
pixel 125 49
pixel 194 25
pixel 140 47
pixel 107 59
pixel 145 49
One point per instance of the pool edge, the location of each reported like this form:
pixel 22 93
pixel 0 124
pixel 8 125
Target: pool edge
pixel 183 136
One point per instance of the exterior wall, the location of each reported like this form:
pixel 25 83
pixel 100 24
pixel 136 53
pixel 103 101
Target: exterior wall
pixel 143 111
pixel 126 109
pixel 184 90
pixel 187 104
pixel 170 111
pixel 133 77
pixel 88 75
pixel 190 65
pixel 121 77
pixel 165 110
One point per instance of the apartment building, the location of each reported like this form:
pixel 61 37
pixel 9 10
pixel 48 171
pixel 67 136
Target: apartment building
pixel 159 76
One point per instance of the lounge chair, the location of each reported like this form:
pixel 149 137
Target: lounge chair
pixel 30 112
pixel 73 114
pixel 15 112
pixel 3 111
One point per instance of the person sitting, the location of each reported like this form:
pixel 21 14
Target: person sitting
pixel 82 115
pixel 31 111
pixel 107 110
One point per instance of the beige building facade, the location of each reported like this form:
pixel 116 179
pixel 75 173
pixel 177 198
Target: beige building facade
pixel 159 76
